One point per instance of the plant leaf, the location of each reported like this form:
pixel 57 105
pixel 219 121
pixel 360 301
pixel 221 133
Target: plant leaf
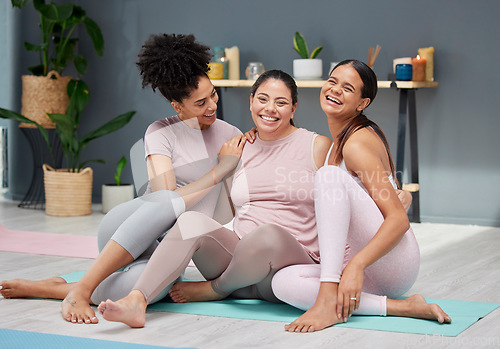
pixel 78 93
pixel 80 64
pixel 37 70
pixel 32 47
pixel 38 4
pixel 300 45
pixel 119 169
pixel 101 161
pixel 111 126
pixel 316 51
pixel 57 13
pixel 8 114
pixel 64 54
pixel 64 127
pixel 95 35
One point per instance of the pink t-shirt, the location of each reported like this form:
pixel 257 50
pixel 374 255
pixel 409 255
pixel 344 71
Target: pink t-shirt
pixel 275 185
pixel 193 152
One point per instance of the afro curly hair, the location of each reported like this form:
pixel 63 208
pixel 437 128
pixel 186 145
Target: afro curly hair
pixel 173 63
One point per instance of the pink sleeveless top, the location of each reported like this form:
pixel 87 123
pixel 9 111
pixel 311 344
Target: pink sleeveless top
pixel 275 185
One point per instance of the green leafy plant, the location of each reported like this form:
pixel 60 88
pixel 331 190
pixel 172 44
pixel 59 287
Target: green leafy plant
pixel 58 22
pixel 119 169
pixel 300 45
pixel 67 126
pixel 8 114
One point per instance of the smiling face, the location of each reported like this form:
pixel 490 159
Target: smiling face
pixel 340 97
pixel 201 104
pixel 272 109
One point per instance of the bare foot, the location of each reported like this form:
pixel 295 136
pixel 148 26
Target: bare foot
pixel 54 287
pixel 76 308
pixel 202 291
pixel 317 318
pixel 130 310
pixel 416 307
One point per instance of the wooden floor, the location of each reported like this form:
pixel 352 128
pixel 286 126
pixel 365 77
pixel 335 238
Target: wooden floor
pixel 458 262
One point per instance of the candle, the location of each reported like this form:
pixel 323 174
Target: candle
pixel 396 61
pixel 404 72
pixel 216 71
pixel 233 56
pixel 225 65
pixel 427 53
pixel 219 57
pixel 418 68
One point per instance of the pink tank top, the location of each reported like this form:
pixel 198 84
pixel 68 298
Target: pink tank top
pixel 275 185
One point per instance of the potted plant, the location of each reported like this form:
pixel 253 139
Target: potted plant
pixel 116 193
pixel 68 192
pixel 308 67
pixel 45 91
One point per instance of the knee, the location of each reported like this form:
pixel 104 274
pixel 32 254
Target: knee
pixel 166 199
pixel 193 224
pixel 268 235
pixel 328 175
pixel 265 239
pixel 191 217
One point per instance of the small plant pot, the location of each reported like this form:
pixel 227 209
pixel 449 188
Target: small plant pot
pixel 307 69
pixel 113 195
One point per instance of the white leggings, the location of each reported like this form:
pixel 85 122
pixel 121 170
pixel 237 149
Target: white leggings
pixel 347 219
pixel 240 268
pixel 135 225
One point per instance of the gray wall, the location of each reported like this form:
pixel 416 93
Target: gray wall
pixel 457 122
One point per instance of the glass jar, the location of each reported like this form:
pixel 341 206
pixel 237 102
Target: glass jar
pixel 254 70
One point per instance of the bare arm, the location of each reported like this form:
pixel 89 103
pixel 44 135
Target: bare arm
pixel 162 176
pixel 405 198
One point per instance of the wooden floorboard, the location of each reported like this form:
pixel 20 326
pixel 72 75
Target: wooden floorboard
pixel 457 262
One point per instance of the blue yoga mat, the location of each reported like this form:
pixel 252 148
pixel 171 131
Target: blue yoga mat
pixel 463 314
pixel 13 339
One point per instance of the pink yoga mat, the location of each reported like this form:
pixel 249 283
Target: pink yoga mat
pixel 50 244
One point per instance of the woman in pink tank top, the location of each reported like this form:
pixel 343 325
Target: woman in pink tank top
pixel 274 224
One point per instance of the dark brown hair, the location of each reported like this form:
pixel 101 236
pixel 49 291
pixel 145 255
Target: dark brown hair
pixel 369 90
pixel 281 76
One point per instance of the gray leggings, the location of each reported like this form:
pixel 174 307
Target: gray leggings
pixel 240 268
pixel 136 225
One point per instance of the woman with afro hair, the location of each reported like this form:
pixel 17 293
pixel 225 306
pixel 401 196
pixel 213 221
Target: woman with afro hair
pixel 188 156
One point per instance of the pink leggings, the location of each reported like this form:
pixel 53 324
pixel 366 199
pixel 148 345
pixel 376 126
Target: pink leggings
pixel 348 217
pixel 240 268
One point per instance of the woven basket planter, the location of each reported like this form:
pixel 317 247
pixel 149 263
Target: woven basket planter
pixel 42 95
pixel 67 193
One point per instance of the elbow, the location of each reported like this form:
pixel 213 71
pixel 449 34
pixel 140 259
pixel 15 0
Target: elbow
pixel 404 223
pixel 399 222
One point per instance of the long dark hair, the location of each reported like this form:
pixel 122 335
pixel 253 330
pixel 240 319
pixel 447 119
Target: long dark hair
pixel 369 90
pixel 281 76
